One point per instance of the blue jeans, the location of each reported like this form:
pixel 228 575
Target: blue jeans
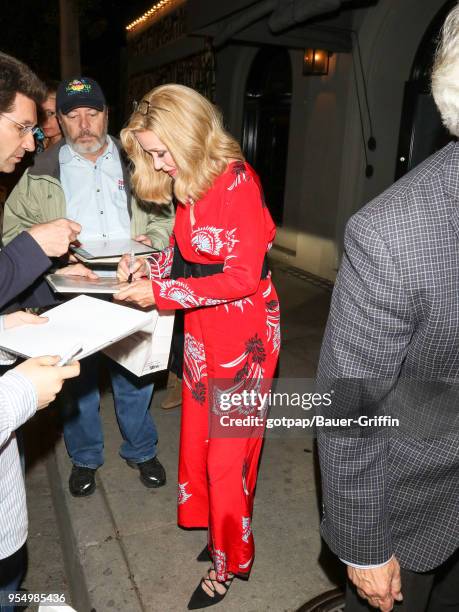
pixel 83 433
pixel 12 571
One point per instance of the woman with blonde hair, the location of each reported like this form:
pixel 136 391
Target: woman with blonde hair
pixel 222 233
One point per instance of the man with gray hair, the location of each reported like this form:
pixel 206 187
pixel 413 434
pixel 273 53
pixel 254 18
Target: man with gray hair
pixel 85 178
pixel 391 498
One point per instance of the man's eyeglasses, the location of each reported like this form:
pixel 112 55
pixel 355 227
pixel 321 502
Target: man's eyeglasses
pixel 25 129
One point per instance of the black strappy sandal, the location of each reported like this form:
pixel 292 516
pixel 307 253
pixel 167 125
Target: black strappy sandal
pixel 204 555
pixel 200 599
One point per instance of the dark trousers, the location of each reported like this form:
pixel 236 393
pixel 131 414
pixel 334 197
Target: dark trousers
pixel 178 339
pixel 12 572
pixel 178 270
pixel 435 591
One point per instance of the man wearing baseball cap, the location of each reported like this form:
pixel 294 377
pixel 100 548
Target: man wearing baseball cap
pixel 85 178
pixel 79 93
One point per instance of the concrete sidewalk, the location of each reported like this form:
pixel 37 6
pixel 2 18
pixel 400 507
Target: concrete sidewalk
pixel 122 547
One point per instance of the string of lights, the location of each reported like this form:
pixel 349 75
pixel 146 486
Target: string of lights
pixel 152 12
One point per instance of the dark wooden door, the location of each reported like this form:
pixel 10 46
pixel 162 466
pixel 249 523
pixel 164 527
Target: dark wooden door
pixel 267 123
pixel 422 132
pixel 421 129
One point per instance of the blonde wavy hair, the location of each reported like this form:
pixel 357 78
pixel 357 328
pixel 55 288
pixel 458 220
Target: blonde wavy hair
pixel 192 130
pixel 445 73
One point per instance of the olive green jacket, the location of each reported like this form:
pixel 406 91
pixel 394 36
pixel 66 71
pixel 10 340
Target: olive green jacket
pixel 39 198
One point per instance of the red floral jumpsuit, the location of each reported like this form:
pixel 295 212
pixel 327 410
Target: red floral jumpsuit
pixel 231 334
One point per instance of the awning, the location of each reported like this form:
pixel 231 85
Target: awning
pixel 279 18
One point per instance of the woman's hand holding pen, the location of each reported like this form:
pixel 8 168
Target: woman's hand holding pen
pixel 137 268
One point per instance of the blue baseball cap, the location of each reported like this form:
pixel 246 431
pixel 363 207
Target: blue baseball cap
pixel 77 93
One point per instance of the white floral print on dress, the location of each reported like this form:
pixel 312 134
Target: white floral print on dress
pixel 238 304
pixel 183 496
pixel 178 291
pixel 231 240
pixel 244 479
pixel 194 367
pixel 239 171
pixel 246 528
pixel 207 240
pixel 273 334
pixel 248 378
pixel 245 565
pixel 211 301
pixel 220 565
pixel 161 263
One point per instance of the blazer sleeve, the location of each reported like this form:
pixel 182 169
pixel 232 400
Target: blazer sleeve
pixel 22 262
pixel 367 336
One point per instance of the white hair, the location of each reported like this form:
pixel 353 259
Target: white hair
pixel 445 73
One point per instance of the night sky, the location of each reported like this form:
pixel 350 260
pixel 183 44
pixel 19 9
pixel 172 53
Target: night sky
pixel 30 32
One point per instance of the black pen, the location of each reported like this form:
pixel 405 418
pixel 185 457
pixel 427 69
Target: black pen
pixel 131 266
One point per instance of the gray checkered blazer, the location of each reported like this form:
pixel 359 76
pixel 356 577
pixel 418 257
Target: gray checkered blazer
pixel 395 317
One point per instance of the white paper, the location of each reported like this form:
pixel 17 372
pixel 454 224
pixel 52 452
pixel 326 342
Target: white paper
pixel 92 249
pixel 84 320
pixel 147 350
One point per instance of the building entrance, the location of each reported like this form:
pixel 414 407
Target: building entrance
pixel 266 123
pixel 421 130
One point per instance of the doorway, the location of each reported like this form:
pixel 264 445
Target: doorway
pixel 267 122
pixel 421 130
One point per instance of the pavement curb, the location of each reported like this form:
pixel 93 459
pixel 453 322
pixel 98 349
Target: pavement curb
pixel 73 568
pixel 97 570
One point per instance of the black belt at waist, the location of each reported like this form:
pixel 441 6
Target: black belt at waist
pixel 181 268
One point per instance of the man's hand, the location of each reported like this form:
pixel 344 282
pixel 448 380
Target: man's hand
pixel 46 377
pixel 380 586
pixel 15 319
pixel 77 270
pixel 139 292
pixel 144 239
pixel 139 269
pixel 55 237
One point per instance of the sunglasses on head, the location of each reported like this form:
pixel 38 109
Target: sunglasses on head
pixel 143 107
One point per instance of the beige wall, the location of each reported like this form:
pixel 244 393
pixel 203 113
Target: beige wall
pixel 317 125
pixel 326 168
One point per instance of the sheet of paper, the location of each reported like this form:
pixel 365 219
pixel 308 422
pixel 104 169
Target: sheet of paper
pixel 97 249
pixel 78 284
pixel 147 350
pixel 84 320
